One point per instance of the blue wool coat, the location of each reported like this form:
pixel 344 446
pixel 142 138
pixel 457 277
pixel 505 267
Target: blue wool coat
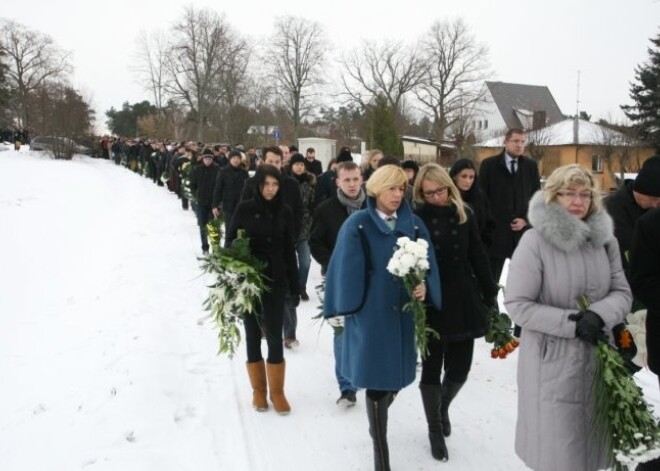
pixel 379 349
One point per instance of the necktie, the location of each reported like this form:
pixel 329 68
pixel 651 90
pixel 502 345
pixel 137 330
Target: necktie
pixel 513 167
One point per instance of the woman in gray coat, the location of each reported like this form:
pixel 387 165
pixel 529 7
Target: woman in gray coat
pixel 570 252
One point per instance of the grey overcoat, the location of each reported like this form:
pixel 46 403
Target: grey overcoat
pixel 558 260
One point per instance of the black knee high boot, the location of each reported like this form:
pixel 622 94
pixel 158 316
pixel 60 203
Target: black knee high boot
pixel 431 398
pixel 449 390
pixel 377 414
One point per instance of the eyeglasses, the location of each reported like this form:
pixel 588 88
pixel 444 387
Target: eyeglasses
pixel 571 195
pixel 435 193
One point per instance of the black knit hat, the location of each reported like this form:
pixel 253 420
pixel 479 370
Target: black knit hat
pixel 648 179
pixel 296 159
pixel 344 155
pixel 234 153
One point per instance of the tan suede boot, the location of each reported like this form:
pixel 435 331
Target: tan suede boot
pixel 257 374
pixel 275 372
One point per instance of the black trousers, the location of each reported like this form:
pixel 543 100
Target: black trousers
pixel 269 318
pixel 455 356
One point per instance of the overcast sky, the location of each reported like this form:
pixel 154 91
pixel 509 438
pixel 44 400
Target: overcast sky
pixel 536 42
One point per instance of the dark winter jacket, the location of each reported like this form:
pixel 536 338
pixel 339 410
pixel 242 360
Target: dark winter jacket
pixel 326 222
pixel 644 276
pixel 229 187
pixel 326 186
pixel 466 281
pixel 291 198
pixel 268 226
pixel 307 182
pixel 509 197
pixel 625 212
pixel 202 183
pixel 314 167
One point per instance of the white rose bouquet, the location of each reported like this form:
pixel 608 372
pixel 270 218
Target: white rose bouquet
pixel 411 262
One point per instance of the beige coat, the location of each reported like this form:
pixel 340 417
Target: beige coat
pixel 558 260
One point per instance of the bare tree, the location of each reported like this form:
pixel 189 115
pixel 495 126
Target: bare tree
pixel 296 52
pixel 150 65
pixel 455 66
pixel 390 69
pixel 32 60
pixel 202 55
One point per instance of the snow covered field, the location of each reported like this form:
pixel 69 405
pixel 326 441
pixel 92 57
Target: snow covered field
pixel 106 363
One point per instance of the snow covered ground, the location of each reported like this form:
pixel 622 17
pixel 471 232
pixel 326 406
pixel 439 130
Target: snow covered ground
pixel 106 363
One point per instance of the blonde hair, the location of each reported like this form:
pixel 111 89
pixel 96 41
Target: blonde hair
pixel 436 174
pixel 384 178
pixel 573 174
pixel 370 155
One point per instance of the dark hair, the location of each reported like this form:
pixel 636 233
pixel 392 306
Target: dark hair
pixel 310 149
pixel 263 171
pixel 274 150
pixel 293 149
pixel 389 160
pixel 333 161
pixel 513 131
pixel 474 192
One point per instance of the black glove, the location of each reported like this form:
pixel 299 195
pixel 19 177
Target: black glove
pixel 589 326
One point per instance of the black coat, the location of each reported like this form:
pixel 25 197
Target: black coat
pixel 508 196
pixel 268 226
pixel 625 212
pixel 465 276
pixel 326 186
pixel 229 187
pixel 290 193
pixel 327 220
pixel 314 167
pixel 644 277
pixel 479 204
pixel 202 183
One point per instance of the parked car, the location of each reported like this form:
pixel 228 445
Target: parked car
pixel 58 143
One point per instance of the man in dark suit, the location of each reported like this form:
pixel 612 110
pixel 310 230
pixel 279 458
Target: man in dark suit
pixel 509 180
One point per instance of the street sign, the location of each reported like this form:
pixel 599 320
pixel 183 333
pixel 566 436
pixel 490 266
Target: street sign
pixel 277 134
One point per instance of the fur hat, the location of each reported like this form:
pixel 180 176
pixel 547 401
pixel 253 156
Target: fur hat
pixel 207 155
pixel 648 178
pixel 296 159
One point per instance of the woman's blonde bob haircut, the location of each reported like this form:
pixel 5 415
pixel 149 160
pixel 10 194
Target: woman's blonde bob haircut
pixel 438 175
pixel 384 178
pixel 573 175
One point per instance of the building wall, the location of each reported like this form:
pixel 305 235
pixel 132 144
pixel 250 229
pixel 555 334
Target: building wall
pixel 491 120
pixel 420 152
pixel 326 149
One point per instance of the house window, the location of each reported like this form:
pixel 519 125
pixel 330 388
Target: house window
pixel 479 124
pixel 596 163
pixel 485 124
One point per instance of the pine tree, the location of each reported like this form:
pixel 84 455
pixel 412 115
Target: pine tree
pixel 645 93
pixel 382 129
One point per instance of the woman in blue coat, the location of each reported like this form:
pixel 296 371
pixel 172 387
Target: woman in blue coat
pixel 379 352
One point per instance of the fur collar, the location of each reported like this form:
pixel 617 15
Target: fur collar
pixel 564 231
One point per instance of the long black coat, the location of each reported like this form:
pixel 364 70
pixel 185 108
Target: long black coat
pixel 625 212
pixel 327 220
pixel 509 197
pixel 268 225
pixel 644 277
pixel 202 183
pixel 229 187
pixel 465 276
pixel 291 197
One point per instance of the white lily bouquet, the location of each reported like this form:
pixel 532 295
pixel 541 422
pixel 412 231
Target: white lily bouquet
pixel 237 289
pixel 622 415
pixel 411 262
